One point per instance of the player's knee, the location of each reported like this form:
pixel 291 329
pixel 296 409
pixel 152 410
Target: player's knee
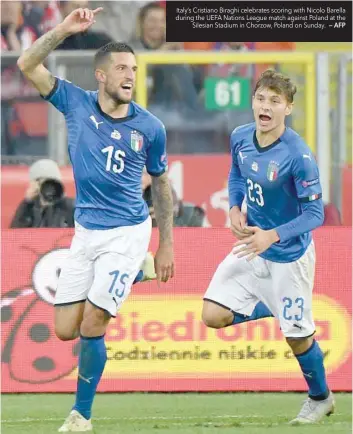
pixel 66 334
pixel 67 321
pixel 213 323
pixel 300 345
pixel 215 316
pixel 94 322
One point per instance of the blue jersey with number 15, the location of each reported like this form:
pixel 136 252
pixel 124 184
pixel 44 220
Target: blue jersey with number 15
pixel 108 156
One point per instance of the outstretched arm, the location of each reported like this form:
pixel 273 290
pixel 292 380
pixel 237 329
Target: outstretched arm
pixel 163 207
pixel 30 62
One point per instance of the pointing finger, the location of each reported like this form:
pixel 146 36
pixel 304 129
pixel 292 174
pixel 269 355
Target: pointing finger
pixel 96 11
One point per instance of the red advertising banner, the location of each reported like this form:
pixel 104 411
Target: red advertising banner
pixel 158 342
pixel 201 180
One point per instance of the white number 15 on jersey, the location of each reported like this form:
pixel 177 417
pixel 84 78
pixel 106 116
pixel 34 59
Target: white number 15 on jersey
pixel 117 168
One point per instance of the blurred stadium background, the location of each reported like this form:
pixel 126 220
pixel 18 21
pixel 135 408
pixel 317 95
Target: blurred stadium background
pixel 201 91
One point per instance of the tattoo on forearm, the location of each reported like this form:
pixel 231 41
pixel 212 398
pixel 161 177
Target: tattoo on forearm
pixel 163 207
pixel 41 48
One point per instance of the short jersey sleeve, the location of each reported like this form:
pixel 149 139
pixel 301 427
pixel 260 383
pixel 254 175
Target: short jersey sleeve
pixel 157 160
pixel 306 177
pixel 65 96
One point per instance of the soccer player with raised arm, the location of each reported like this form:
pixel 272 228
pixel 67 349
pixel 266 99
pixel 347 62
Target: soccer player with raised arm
pixel 272 266
pixel 110 139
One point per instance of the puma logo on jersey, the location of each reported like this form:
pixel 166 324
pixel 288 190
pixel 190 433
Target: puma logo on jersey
pixel 93 119
pixel 242 157
pixel 308 156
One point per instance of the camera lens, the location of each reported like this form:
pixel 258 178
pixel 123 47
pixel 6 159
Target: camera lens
pixel 51 190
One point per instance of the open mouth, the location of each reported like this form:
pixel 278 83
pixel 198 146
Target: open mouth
pixel 265 118
pixel 127 86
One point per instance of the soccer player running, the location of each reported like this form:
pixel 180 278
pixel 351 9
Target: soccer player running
pixel 272 264
pixel 110 140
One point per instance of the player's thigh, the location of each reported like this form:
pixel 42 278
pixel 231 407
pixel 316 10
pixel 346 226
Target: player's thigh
pixel 292 285
pixel 233 287
pixel 116 267
pixel 113 278
pixel 74 282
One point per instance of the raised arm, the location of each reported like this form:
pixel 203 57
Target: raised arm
pixel 31 61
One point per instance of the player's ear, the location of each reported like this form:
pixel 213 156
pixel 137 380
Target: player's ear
pixel 252 101
pixel 100 75
pixel 289 109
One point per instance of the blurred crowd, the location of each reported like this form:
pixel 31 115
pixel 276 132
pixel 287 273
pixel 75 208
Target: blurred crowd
pixel 175 92
pixel 143 22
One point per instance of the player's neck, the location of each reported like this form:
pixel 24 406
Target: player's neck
pixel 266 138
pixel 111 108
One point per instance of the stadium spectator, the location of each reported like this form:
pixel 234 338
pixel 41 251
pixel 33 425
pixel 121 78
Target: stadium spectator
pixel 90 40
pixel 171 86
pixel 38 18
pixel 45 204
pixel 11 25
pixel 116 18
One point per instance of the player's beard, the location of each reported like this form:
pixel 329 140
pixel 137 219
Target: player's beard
pixel 116 96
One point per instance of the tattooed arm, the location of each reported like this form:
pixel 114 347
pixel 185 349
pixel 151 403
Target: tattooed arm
pixel 30 62
pixel 163 208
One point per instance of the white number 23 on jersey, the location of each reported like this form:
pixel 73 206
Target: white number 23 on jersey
pixel 118 156
pixel 255 192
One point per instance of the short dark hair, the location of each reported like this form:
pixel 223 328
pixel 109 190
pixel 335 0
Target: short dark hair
pixel 111 47
pixel 277 82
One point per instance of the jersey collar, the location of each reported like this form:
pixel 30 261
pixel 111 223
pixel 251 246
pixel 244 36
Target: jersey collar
pixel 271 146
pixel 130 114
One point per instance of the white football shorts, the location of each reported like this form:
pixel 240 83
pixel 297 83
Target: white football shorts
pixel 285 288
pixel 102 265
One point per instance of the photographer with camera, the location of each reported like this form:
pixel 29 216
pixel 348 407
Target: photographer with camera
pixel 45 204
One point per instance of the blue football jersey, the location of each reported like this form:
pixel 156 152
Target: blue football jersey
pixel 108 156
pixel 276 180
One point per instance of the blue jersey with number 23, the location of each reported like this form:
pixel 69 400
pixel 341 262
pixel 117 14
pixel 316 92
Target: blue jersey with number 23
pixel 277 181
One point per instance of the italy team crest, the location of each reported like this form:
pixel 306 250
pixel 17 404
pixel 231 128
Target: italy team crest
pixel 272 171
pixel 136 141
